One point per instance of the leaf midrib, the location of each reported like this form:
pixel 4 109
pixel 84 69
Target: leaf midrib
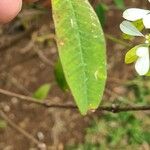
pixel 81 49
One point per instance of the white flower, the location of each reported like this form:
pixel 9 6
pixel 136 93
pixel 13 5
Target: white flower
pixel 133 14
pixel 142 65
pixel 128 28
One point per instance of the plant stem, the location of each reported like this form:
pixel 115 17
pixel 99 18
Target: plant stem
pixel 116 40
pixel 113 108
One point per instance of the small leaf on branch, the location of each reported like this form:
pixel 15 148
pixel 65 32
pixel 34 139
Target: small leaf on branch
pixel 42 92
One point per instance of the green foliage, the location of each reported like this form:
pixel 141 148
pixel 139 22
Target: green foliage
pixel 122 131
pixel 138 24
pixel 81 47
pixel 148 74
pixel 131 55
pixel 101 13
pixel 42 92
pixel 114 131
pixel 60 77
pixel 120 4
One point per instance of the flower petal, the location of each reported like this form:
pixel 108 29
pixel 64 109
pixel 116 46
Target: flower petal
pixel 142 64
pixel 128 28
pixel 133 14
pixel 146 21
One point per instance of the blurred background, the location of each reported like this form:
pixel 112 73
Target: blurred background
pixel 29 66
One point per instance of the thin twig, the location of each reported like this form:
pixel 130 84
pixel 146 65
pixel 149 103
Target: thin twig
pixel 42 146
pixel 113 108
pixel 117 109
pixel 116 40
pixel 22 97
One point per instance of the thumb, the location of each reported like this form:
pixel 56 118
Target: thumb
pixel 9 9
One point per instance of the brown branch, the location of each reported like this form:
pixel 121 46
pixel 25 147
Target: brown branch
pixel 113 108
pixel 40 145
pixel 117 109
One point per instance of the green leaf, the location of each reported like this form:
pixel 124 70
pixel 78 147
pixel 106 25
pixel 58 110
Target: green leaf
pixel 120 4
pixel 60 77
pixel 42 92
pixel 81 47
pixel 128 28
pixel 148 74
pixel 131 56
pixel 101 13
pixel 146 136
